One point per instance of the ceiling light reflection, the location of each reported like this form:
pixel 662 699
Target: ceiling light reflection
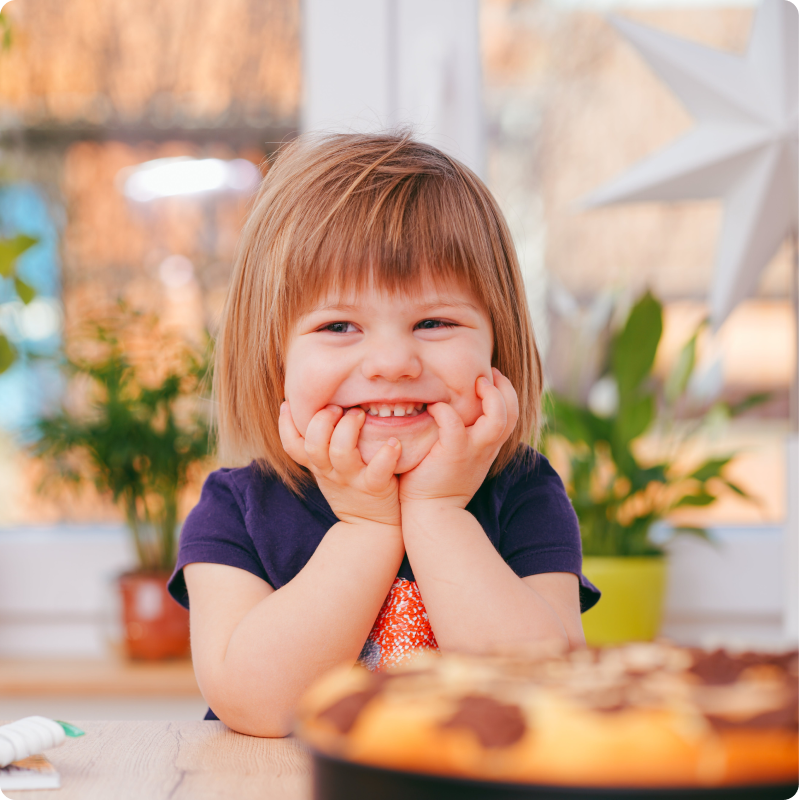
pixel 171 177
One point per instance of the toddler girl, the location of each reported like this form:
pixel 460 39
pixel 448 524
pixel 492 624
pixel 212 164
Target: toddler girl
pixel 376 365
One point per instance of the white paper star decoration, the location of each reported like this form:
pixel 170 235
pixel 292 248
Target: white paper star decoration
pixel 743 149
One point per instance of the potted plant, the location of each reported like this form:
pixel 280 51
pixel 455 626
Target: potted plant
pixel 618 494
pixel 138 438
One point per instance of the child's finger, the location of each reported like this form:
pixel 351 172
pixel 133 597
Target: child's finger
pixel 489 427
pixel 451 430
pixel 344 454
pixel 317 437
pixel 290 437
pixel 511 399
pixel 382 466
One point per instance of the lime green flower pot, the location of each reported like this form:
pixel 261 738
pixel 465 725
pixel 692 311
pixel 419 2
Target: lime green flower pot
pixel 631 607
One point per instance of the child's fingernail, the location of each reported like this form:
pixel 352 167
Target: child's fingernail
pixel 392 442
pixel 484 381
pixel 355 410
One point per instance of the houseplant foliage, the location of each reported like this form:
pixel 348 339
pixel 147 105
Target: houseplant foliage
pixel 618 496
pixel 140 433
pixel 616 493
pixel 10 250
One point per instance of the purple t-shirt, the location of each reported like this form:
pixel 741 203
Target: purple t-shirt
pixel 252 521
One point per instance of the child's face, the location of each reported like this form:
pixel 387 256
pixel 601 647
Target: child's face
pixel 391 354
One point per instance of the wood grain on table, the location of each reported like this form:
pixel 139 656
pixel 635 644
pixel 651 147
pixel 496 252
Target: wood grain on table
pixel 175 761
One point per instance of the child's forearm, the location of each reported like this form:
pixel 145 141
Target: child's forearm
pixel 476 603
pixel 319 619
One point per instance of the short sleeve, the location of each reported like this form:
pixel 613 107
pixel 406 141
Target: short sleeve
pixel 539 531
pixel 215 532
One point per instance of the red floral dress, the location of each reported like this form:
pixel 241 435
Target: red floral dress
pixel 401 628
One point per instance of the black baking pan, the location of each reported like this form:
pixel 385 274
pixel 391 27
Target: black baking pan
pixel 335 779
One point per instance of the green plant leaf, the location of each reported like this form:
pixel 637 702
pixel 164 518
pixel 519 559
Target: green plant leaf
pixel 25 291
pixel 703 498
pixel 623 458
pixel 749 402
pixel 634 348
pixel 11 250
pixel 683 368
pixel 634 418
pixel 737 489
pixel 8 355
pixel 710 469
pixel 641 477
pixel 5 27
pixel 576 424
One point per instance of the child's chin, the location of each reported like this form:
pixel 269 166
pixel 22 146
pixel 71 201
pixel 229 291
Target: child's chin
pixel 411 456
pixel 407 464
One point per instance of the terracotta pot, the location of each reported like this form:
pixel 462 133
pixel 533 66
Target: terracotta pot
pixel 156 627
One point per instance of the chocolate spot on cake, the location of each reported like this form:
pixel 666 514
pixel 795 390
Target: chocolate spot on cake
pixel 344 712
pixel 495 724
pixel 719 667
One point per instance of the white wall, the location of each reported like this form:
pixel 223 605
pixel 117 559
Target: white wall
pixel 57 593
pixel 732 591
pixel 373 64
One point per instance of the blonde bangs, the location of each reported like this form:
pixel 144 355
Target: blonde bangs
pixel 336 214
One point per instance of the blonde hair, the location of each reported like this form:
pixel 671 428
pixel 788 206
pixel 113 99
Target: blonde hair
pixel 336 212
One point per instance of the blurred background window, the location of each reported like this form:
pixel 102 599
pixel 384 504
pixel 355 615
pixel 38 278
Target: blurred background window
pixel 32 385
pixel 133 133
pixel 89 94
pixel 90 98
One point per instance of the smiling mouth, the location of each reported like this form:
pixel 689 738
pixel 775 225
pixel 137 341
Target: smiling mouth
pixel 393 409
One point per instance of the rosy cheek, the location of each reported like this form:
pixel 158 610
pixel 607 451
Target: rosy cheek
pixel 301 411
pixel 470 406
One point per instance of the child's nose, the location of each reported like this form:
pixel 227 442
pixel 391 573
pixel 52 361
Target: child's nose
pixel 393 360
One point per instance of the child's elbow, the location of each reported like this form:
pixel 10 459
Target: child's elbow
pixel 265 729
pixel 253 721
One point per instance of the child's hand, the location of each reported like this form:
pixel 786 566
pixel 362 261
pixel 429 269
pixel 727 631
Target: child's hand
pixel 356 492
pixel 459 461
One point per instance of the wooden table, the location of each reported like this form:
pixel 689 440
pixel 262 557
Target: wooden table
pixel 174 761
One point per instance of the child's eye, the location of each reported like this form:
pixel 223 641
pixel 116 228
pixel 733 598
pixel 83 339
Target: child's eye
pixel 339 327
pixel 432 324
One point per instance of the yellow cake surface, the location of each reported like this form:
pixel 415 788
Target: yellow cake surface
pixel 641 715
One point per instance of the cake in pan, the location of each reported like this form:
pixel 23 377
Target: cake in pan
pixel 641 715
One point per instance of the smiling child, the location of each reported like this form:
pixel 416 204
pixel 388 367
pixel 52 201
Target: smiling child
pixel 376 366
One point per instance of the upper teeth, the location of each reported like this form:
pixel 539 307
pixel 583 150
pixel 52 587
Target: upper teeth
pixel 396 410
